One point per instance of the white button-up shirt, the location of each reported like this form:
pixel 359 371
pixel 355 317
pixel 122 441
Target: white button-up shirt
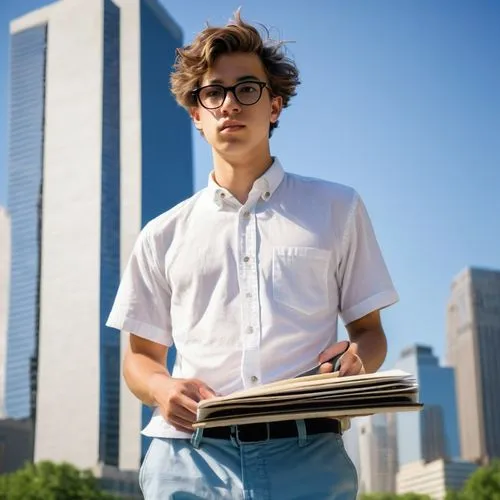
pixel 250 294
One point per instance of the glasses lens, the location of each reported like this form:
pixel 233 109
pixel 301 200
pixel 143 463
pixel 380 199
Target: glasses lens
pixel 211 96
pixel 248 92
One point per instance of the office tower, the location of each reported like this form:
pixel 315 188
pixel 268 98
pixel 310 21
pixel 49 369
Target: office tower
pixel 350 438
pixel 16 444
pixel 433 478
pixel 97 148
pixel 473 347
pixel 4 298
pixel 377 454
pixel 392 450
pixel 432 433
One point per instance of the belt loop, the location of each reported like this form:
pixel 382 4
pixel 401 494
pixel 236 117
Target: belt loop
pixel 196 437
pixel 302 432
pixel 234 437
pixel 268 431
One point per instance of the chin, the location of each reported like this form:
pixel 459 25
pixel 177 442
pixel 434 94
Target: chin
pixel 233 147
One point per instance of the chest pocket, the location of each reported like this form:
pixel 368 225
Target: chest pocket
pixel 300 278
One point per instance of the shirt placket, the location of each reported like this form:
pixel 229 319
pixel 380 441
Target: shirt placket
pixel 249 289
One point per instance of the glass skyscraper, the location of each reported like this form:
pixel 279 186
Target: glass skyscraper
pixel 98 147
pixel 4 298
pixel 166 156
pixel 27 97
pixel 432 433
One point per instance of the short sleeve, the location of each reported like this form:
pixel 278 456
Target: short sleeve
pixel 363 279
pixel 142 303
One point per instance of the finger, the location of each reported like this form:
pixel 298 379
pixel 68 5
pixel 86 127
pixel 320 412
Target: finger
pixel 207 393
pixel 325 368
pixel 184 401
pixel 181 425
pixel 333 351
pixel 350 365
pixel 181 412
pixel 192 391
pixel 204 390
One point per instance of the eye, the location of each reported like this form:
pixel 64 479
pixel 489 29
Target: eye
pixel 212 93
pixel 248 89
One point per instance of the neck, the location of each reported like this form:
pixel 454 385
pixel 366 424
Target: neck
pixel 239 175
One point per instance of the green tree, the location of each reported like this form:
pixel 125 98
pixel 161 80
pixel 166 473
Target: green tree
pixel 379 496
pixel 454 495
pixel 50 481
pixel 394 496
pixel 414 496
pixel 484 483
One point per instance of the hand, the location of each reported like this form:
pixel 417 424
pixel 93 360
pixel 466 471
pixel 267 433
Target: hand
pixel 350 362
pixel 177 399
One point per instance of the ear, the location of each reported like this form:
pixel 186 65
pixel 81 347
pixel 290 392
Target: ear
pixel 195 116
pixel 276 107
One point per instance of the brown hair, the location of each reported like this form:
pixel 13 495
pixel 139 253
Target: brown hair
pixel 194 60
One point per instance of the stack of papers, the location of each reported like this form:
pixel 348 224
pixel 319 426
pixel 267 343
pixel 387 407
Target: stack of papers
pixel 324 395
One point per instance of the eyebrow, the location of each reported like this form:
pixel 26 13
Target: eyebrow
pixel 240 79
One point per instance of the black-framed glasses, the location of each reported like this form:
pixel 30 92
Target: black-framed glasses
pixel 246 93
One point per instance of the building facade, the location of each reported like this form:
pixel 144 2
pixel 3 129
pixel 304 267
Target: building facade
pixel 432 433
pixel 351 443
pixel 90 103
pixel 434 478
pixel 473 344
pixel 16 444
pixel 377 454
pixel 5 256
pixel 27 99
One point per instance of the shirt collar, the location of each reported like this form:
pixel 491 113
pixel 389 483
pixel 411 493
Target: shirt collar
pixel 265 185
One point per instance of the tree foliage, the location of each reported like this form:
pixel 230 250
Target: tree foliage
pixel 50 481
pixel 394 496
pixel 483 484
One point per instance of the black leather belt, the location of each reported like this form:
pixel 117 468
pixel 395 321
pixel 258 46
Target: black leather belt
pixel 273 430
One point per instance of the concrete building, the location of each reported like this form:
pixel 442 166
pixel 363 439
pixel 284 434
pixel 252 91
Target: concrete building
pixel 473 344
pixel 4 299
pixel 377 454
pixel 433 478
pixel 433 432
pixel 98 147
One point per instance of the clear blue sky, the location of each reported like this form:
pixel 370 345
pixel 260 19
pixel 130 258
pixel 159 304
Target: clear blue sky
pixel 401 100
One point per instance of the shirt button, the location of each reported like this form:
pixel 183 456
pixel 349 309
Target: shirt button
pixel 248 295
pixel 249 329
pixel 253 378
pixel 267 194
pixel 223 195
pixel 246 214
pixel 246 259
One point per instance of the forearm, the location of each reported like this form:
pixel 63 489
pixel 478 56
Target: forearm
pixel 143 375
pixel 371 347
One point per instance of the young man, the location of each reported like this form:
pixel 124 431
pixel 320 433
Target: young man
pixel 247 278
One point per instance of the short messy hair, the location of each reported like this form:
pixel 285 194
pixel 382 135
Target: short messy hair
pixel 194 60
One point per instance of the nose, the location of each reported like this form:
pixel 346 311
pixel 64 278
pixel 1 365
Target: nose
pixel 230 104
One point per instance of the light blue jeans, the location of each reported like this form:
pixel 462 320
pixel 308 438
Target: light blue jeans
pixel 314 467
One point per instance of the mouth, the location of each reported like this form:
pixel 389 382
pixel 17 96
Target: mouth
pixel 231 127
